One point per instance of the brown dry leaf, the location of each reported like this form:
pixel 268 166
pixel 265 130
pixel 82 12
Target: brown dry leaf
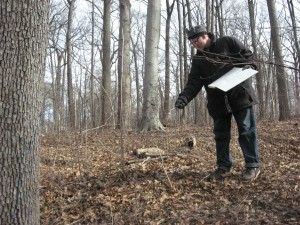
pixel 86 186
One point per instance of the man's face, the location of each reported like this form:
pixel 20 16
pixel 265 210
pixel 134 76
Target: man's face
pixel 199 42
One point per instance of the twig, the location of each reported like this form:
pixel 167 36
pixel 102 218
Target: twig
pixel 155 157
pixel 95 128
pixel 162 160
pixel 204 177
pixel 241 202
pixel 77 221
pixel 143 160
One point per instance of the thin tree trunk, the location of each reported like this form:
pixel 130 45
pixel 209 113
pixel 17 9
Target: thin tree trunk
pixel 208 15
pixel 57 94
pixel 185 61
pixel 219 17
pixel 195 100
pixel 212 17
pixel 124 78
pixel 72 116
pixel 297 61
pixel 92 99
pixel 137 80
pixel 180 36
pixel 107 108
pixel 181 58
pixel 259 78
pixel 166 111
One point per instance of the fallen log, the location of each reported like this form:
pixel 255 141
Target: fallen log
pixel 149 152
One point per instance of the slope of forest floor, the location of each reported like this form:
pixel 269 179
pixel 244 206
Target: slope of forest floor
pixel 82 181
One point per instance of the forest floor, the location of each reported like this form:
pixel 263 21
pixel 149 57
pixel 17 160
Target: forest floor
pixel 83 182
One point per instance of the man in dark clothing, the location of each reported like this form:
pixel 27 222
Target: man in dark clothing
pixel 214 58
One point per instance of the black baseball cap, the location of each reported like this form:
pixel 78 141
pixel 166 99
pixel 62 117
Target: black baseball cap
pixel 195 32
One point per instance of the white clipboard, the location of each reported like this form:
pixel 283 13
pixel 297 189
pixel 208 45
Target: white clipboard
pixel 232 78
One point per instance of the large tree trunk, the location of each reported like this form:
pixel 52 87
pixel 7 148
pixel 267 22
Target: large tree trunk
pixel 124 111
pixel 284 110
pixel 71 101
pixel 151 104
pixel 107 115
pixel 23 41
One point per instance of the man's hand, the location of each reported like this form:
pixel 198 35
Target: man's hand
pixel 180 103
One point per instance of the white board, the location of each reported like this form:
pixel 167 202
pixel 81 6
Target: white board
pixel 232 78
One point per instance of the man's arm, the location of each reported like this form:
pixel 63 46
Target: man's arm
pixel 194 83
pixel 244 53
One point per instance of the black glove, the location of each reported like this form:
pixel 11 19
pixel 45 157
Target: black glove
pixel 180 103
pixel 247 67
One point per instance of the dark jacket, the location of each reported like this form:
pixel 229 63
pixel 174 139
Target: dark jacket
pixel 207 66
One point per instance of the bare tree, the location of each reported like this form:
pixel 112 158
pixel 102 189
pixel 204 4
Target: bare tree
pixel 284 110
pixel 212 17
pixel 124 109
pixel 137 80
pixel 138 56
pixel 57 51
pixel 72 117
pixel 180 44
pixel 297 64
pixel 151 104
pixel 219 15
pixel 180 78
pixel 106 79
pixel 23 41
pixel 98 95
pixel 92 99
pixel 259 78
pixel 185 57
pixel 166 111
pixel 57 91
pixel 208 15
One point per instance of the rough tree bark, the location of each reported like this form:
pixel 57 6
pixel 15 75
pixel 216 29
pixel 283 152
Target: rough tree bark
pixel 259 77
pixel 284 110
pixel 71 101
pixel 23 41
pixel 106 80
pixel 92 100
pixel 124 109
pixel 297 61
pixel 151 104
pixel 57 92
pixel 180 45
pixel 166 112
pixel 219 17
pixel 208 15
pixel 137 80
pixel 185 60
